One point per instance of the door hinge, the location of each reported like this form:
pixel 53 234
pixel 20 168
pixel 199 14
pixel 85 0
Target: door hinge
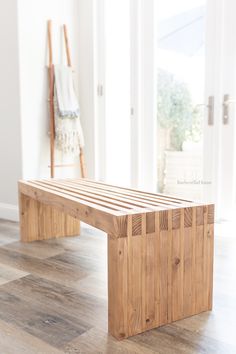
pixel 100 90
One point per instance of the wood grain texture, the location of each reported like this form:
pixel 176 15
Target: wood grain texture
pixel 77 300
pixel 8 274
pixel 164 270
pixel 177 261
pixel 167 274
pixel 40 221
pixel 24 343
pixel 117 287
pixel 160 248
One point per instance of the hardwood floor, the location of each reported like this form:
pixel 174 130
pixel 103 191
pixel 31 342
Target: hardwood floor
pixel 53 300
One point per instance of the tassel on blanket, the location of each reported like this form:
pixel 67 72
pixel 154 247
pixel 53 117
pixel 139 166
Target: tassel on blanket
pixel 69 134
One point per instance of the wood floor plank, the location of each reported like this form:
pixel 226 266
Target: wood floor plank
pixel 9 227
pixel 60 298
pixel 97 341
pixel 171 339
pixel 46 323
pixel 24 343
pixel 31 308
pixel 8 232
pixel 213 325
pixel 8 273
pixel 38 249
pixel 49 310
pixel 93 284
pixel 62 272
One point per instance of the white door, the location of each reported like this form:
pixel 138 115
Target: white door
pixel 226 114
pixel 169 64
pixel 196 92
pixel 185 100
pixel 219 140
pixel 174 84
pixel 125 132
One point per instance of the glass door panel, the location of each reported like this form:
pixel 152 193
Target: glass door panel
pixel 181 108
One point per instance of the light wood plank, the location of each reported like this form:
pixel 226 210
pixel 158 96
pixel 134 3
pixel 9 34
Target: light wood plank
pixel 117 287
pixel 164 267
pixel 93 215
pixel 135 279
pixel 41 222
pixel 142 196
pixel 118 194
pixel 188 268
pixel 177 265
pixel 152 273
pixel 199 269
pixel 169 267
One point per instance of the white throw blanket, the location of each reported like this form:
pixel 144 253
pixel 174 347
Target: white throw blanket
pixel 69 134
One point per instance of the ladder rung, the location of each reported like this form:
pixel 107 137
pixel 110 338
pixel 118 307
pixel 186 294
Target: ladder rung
pixel 68 165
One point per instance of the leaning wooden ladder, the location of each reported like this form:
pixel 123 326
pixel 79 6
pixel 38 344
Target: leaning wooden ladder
pixel 51 103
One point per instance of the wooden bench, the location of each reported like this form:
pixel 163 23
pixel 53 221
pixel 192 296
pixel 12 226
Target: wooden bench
pixel 160 248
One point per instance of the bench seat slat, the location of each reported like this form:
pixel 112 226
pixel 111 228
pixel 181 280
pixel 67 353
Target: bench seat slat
pixel 120 195
pixel 130 193
pixel 125 201
pixel 105 219
pixel 119 206
pixel 34 190
pixel 139 193
pixel 85 199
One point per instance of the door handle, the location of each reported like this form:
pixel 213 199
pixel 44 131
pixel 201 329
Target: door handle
pixel 226 102
pixel 210 107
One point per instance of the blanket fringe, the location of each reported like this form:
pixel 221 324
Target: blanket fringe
pixel 69 134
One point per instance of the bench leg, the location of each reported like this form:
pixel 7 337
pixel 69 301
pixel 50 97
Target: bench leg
pixel 161 272
pixel 39 221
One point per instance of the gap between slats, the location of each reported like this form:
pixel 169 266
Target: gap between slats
pixel 122 195
pixel 117 193
pixel 100 206
pixel 81 196
pixel 80 188
pixel 168 197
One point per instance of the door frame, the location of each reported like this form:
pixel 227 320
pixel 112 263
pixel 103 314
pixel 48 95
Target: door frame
pixel 99 89
pixel 211 140
pixel 143 91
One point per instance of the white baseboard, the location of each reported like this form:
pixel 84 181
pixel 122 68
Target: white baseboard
pixel 9 212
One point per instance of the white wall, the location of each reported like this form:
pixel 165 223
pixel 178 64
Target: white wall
pixel 148 129
pixel 10 141
pixel 117 91
pixel 33 16
pixel 24 143
pixel 85 40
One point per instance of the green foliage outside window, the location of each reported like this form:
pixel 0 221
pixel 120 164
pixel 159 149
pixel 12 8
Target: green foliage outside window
pixel 175 111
